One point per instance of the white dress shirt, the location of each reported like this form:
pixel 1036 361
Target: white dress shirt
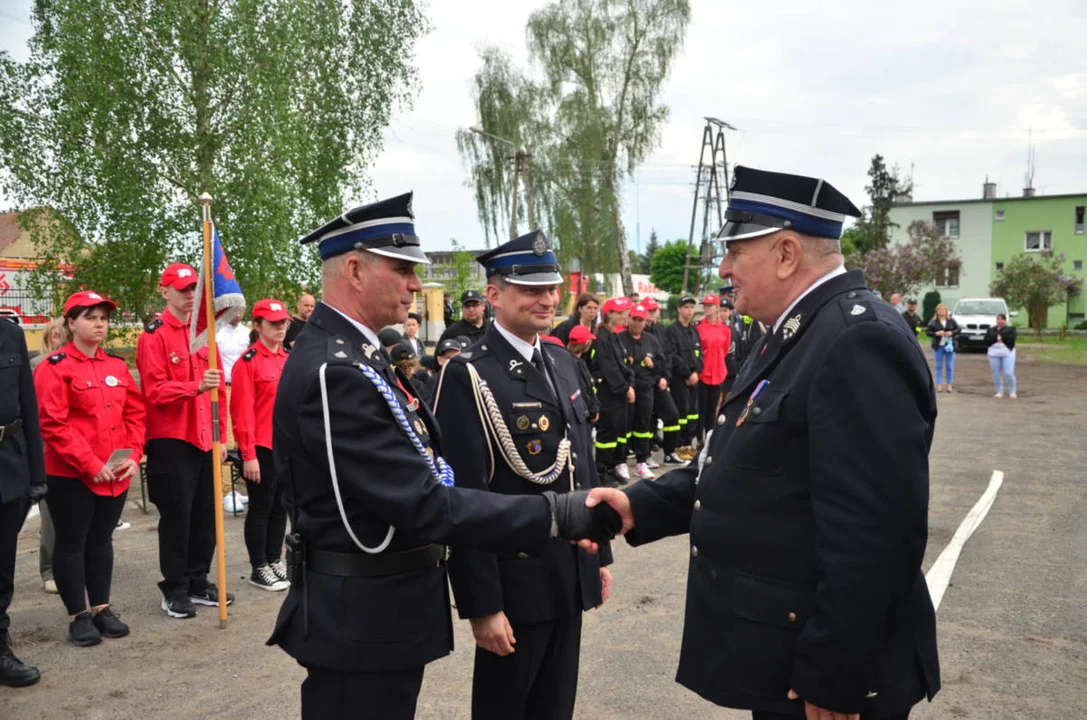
pixel 840 270
pixel 232 341
pixel 370 335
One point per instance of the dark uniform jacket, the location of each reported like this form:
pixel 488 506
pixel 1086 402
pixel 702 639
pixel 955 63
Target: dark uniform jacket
pixel 665 359
pixel 607 361
pixel 588 386
pixel 684 350
pixel 22 462
pixel 638 350
pixel 809 521
pixel 563 580
pixel 465 328
pixel 379 624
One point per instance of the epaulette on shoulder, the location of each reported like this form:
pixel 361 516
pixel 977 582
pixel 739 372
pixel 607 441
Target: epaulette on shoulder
pixel 249 355
pixel 340 351
pixel 153 325
pixel 115 355
pixel 857 307
pixel 56 358
pixel 478 351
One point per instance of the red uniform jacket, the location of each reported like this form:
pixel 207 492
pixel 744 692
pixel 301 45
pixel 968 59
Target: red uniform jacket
pixel 715 341
pixel 252 396
pixel 88 407
pixel 169 376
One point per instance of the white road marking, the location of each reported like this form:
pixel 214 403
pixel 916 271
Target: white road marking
pixel 939 575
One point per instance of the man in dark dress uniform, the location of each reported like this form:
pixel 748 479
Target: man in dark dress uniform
pixel 359 459
pixel 22 481
pixel 472 323
pixel 807 521
pixel 529 393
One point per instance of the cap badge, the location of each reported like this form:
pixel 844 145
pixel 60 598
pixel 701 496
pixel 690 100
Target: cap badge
pixel 419 429
pixel 544 423
pixel 522 422
pixel 275 306
pixel 410 212
pixel 111 381
pixel 184 272
pixel 790 327
pixel 94 296
pixel 858 310
pixel 539 245
pixel 534 447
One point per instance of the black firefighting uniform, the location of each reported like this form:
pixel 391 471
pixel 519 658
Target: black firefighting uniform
pixel 664 406
pixel 643 349
pixel 613 376
pixel 685 354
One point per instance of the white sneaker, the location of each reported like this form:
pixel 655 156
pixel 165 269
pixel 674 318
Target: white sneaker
pixel 652 464
pixel 50 586
pixel 623 471
pixel 642 470
pixel 121 525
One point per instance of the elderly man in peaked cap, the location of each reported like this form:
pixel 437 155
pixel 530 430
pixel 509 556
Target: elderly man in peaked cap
pixel 370 499
pixel 807 522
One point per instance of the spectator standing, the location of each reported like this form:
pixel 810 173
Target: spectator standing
pixel 896 303
pixel 54 337
pixel 252 398
pixel 175 386
pixel 404 358
pixel 1001 341
pixel 685 350
pixel 232 341
pixel 581 340
pixel 650 376
pixel 471 323
pixel 89 407
pixel 448 311
pixel 615 389
pixel 585 311
pixel 910 316
pixel 445 351
pixel 716 337
pixel 304 308
pixel 411 329
pixel 732 364
pixel 22 481
pixel 942 328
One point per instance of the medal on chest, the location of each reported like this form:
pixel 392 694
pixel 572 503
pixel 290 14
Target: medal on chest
pixel 751 401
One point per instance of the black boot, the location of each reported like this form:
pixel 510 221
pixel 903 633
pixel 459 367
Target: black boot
pixel 13 672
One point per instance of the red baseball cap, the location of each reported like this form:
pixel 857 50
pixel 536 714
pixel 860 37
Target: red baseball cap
pixel 87 298
pixel 179 276
pixel 650 303
pixel 271 310
pixel 711 299
pixel 638 311
pixel 580 334
pixel 609 306
pixel 622 303
pixel 551 339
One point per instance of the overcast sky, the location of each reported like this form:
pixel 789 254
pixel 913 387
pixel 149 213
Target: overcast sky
pixel 952 90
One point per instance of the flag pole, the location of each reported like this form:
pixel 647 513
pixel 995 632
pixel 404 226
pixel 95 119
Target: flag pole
pixel 213 364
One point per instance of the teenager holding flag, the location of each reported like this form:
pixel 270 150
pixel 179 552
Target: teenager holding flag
pixel 255 378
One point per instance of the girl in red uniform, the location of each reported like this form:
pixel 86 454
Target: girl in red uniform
pixel 715 337
pixel 253 394
pixel 89 407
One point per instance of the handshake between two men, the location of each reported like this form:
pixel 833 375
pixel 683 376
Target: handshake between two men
pixel 590 517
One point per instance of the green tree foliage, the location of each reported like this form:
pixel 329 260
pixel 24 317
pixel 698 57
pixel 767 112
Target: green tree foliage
pixel 645 260
pixel 928 305
pixel 589 119
pixel 127 110
pixel 1035 282
pixel 873 229
pixel 666 270
pixel 461 279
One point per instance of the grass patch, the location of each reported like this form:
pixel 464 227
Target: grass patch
pixel 1073 351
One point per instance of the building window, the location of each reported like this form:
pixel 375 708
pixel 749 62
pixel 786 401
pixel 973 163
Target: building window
pixel 999 267
pixel 947 223
pixel 1077 264
pixel 1038 241
pixel 947 278
pixel 999 215
pixel 1079 219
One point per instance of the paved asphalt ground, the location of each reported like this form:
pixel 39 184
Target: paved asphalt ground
pixel 1012 634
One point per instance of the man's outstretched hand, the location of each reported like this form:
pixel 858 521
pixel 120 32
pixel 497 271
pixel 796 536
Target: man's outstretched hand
pixel 614 500
pixel 576 520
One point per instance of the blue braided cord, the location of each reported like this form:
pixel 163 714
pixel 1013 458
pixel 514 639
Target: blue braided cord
pixel 440 468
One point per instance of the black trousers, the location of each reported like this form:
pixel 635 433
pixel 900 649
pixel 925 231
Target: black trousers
pixel 664 409
pixel 609 428
pixel 180 483
pixel 265 516
pixel 538 681
pixel 642 428
pixel 685 398
pixel 708 395
pixel 83 548
pixel 334 694
pixel 12 516
pixel 756 715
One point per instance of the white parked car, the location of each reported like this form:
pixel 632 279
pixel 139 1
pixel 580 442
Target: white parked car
pixel 975 316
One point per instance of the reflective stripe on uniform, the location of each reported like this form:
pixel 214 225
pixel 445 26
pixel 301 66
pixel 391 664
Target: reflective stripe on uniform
pixel 671 428
pixel 606 446
pixel 643 435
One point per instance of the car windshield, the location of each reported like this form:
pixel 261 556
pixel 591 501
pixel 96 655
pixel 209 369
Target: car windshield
pixel 979 307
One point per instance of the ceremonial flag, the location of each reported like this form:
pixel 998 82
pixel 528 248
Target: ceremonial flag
pixel 228 303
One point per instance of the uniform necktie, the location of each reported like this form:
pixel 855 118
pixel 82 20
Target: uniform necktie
pixel 538 363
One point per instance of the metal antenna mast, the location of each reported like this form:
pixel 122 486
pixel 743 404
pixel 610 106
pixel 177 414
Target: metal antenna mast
pixel 708 190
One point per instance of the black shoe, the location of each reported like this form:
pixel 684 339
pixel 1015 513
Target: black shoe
pixel 13 672
pixel 109 624
pixel 673 459
pixel 82 632
pixel 178 606
pixel 209 596
pixel 265 578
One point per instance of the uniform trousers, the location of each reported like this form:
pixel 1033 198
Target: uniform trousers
pixel 685 398
pixel 538 681
pixel 642 428
pixel 180 483
pixel 265 517
pixel 83 555
pixel 335 694
pixel 664 409
pixel 12 516
pixel 708 397
pixel 45 544
pixel 756 715
pixel 609 428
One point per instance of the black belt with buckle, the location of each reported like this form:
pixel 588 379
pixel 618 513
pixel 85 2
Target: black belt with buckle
pixel 327 562
pixel 10 428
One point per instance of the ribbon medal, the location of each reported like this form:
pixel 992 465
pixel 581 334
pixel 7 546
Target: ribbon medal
pixel 751 401
pixel 544 423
